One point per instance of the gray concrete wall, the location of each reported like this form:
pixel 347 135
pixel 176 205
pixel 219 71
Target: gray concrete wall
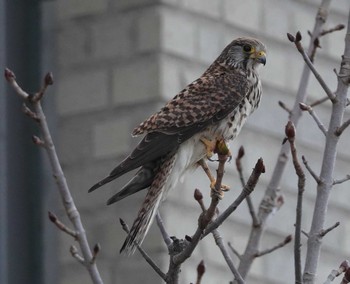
pixel 119 61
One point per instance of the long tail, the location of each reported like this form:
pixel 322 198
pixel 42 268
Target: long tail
pixel 149 208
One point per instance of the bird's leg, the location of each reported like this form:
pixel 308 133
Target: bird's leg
pixel 210 146
pixel 206 169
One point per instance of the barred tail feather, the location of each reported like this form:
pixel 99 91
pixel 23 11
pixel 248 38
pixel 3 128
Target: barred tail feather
pixel 149 207
pixel 140 228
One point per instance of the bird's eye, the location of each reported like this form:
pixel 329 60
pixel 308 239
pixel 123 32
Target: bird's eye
pixel 247 48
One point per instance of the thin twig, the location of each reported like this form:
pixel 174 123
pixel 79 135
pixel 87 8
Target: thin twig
pixel 326 231
pixel 313 114
pixel 74 252
pixel 241 176
pixel 297 42
pixel 290 133
pixel 339 181
pixel 287 240
pixel 320 101
pixel 248 189
pixel 341 128
pixel 53 218
pixel 163 231
pixel 312 173
pixel 219 242
pixel 234 250
pixel 334 29
pixel 284 106
pixel 228 259
pixel 143 253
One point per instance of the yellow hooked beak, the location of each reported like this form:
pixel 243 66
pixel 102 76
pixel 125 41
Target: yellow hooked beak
pixel 259 56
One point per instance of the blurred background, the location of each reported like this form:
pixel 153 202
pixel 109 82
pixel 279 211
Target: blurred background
pixel 114 64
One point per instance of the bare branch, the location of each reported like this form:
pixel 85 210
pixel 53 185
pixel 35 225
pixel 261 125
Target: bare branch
pixel 248 199
pixel 339 181
pixel 11 78
pixel 228 259
pixel 58 174
pixel 287 240
pixel 53 218
pixel 163 231
pixel 283 106
pixel 297 42
pixel 312 173
pixel 248 189
pixel 338 27
pixel 341 129
pixel 320 101
pixel 326 231
pixel 74 252
pixel 310 110
pixel 290 133
pixel 143 253
pixel 234 250
pixel 28 112
pixel 219 242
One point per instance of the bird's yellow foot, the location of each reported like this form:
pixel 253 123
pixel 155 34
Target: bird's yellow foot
pixel 223 189
pixel 221 148
pixel 210 146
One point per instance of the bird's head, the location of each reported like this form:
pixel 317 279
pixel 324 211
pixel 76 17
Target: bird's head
pixel 244 52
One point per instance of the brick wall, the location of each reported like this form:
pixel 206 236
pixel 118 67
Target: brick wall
pixel 118 61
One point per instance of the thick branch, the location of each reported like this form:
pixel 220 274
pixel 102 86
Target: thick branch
pixel 327 168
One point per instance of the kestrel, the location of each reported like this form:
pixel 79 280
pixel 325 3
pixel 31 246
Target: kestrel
pixel 180 136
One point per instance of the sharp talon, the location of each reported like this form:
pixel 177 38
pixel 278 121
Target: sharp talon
pixel 212 160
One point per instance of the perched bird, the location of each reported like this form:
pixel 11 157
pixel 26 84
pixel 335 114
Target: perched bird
pixel 181 135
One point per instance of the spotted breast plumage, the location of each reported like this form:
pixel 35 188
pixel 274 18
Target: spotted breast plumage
pixel 213 107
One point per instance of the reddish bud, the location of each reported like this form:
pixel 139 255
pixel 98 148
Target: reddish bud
pixel 288 239
pixel 240 152
pixel 291 37
pixel 97 248
pixel 290 130
pixel 49 78
pixel 198 194
pixel 52 217
pixel 259 166
pixel 201 269
pixel 298 37
pixel 9 75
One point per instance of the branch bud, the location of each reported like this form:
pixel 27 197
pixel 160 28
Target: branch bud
pixel 37 141
pixel 201 269
pixel 290 130
pixel 291 37
pixel 259 166
pixel 52 217
pixel 288 239
pixel 304 107
pixel 48 79
pixel 298 37
pixel 240 152
pixel 9 75
pixel 97 248
pixel 188 238
pixel 198 194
